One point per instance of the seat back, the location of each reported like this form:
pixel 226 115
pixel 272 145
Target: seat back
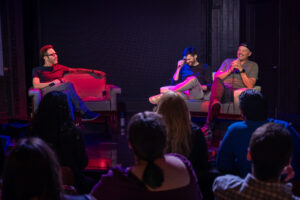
pixel 86 84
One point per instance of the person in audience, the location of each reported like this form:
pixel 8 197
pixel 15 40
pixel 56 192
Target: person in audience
pixel 49 77
pixel 185 137
pixel 31 172
pixel 231 157
pixel 53 123
pixel 270 152
pixel 154 175
pixel 239 73
pixel 191 77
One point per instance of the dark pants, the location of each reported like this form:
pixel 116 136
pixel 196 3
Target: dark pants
pixel 219 92
pixel 73 99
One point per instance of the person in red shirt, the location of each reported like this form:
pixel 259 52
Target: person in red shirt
pixel 49 77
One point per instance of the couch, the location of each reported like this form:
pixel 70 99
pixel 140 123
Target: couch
pixel 97 95
pixel 201 106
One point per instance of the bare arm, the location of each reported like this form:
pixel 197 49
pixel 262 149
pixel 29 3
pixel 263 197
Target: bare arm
pixel 248 82
pixel 223 74
pixel 179 66
pixel 37 83
pixel 204 87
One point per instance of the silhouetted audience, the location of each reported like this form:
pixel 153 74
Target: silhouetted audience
pixel 32 172
pixel 155 175
pixel 270 151
pixel 185 137
pixel 54 124
pixel 231 157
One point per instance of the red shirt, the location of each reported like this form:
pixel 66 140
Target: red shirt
pixel 48 74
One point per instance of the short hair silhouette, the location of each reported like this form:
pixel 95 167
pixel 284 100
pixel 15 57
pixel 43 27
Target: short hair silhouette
pixel 31 170
pixel 271 149
pixel 253 105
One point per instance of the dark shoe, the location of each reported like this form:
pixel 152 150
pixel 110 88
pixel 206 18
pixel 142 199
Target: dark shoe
pixel 89 116
pixel 215 110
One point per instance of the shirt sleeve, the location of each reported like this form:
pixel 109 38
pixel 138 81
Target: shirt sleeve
pixel 253 71
pixel 184 72
pixel 103 188
pixel 35 73
pixel 225 65
pixel 64 68
pixel 225 156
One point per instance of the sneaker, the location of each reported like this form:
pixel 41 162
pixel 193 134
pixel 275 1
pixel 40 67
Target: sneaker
pixel 215 110
pixel 89 116
pixel 155 99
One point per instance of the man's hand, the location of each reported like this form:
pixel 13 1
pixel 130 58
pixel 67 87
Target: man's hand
pixel 56 81
pixel 180 63
pixel 204 87
pixel 236 64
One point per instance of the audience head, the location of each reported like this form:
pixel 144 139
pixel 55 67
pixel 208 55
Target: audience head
pixel 177 118
pixel 270 150
pixel 147 137
pixel 190 55
pixel 253 105
pixel 31 171
pixel 53 114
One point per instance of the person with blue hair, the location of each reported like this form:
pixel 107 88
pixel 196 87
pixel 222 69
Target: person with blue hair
pixel 191 77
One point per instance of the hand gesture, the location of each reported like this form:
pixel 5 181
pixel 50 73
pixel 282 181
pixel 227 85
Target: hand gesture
pixel 236 64
pixel 180 63
pixel 56 82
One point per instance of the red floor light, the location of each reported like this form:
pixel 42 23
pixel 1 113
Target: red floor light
pixel 99 163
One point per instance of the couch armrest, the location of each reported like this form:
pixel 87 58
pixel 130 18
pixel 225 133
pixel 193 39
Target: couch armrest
pixel 111 93
pixel 36 95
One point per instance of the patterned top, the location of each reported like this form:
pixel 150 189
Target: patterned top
pixel 233 187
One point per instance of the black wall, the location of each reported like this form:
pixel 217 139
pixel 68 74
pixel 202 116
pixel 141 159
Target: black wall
pixel 273 28
pixel 137 43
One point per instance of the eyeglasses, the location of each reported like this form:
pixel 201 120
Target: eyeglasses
pixel 53 54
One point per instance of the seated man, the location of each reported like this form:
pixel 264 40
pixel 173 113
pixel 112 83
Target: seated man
pixel 270 152
pixel 49 77
pixel 232 154
pixel 191 77
pixel 233 74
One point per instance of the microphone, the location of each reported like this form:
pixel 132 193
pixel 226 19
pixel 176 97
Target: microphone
pixel 236 71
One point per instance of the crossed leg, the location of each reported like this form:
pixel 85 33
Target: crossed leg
pixel 190 88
